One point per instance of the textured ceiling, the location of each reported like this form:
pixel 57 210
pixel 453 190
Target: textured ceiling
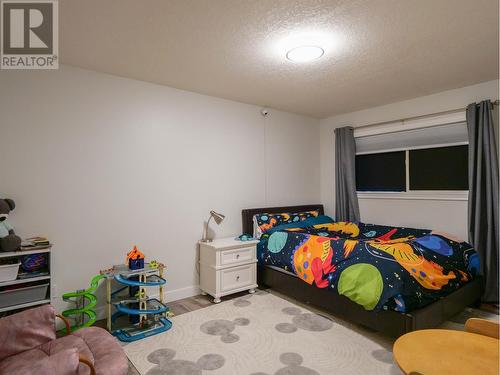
pixel 376 51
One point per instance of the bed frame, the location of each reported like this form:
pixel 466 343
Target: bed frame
pixel 389 322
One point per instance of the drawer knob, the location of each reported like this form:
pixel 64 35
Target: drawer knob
pixel 237 278
pixel 237 256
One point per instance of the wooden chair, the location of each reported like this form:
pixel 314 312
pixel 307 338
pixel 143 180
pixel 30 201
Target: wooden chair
pixel 482 327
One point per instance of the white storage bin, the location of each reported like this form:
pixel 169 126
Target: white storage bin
pixel 19 296
pixel 8 272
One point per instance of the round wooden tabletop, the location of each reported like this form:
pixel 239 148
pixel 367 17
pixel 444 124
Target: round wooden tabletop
pixel 446 352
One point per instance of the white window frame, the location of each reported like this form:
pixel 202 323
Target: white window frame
pixel 416 123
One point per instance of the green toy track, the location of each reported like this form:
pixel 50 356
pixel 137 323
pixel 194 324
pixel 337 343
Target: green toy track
pixel 90 303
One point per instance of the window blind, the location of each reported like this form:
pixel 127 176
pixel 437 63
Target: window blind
pixel 428 137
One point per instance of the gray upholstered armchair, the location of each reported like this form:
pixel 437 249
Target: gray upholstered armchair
pixel 28 345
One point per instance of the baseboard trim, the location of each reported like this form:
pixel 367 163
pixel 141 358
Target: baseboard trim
pixel 176 294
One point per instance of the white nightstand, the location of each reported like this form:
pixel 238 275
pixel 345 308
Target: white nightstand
pixel 228 266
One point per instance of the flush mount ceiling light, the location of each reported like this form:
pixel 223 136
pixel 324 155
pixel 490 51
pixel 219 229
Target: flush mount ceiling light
pixel 304 53
pixel 303 46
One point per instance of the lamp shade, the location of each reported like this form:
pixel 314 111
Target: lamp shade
pixel 217 217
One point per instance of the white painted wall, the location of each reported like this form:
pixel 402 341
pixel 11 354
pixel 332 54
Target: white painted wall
pixel 449 216
pixel 100 163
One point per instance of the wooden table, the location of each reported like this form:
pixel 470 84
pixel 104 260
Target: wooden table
pixel 446 352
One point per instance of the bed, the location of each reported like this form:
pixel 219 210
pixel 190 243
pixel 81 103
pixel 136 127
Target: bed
pixel 382 317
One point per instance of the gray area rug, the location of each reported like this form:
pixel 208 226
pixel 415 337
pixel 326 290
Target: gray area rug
pixel 259 334
pixel 265 334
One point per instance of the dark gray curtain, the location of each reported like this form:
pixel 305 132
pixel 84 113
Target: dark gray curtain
pixel 483 194
pixel 346 200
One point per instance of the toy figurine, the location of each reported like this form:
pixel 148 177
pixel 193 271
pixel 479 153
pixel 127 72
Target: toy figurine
pixel 135 259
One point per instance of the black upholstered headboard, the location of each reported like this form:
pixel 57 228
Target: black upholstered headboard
pixel 247 214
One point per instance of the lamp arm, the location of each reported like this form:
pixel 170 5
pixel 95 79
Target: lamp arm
pixel 206 229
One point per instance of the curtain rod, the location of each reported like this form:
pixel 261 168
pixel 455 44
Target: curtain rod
pixel 494 102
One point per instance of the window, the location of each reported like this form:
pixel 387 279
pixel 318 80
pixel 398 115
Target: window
pixel 422 158
pixel 428 169
pixel 381 172
pixel 440 168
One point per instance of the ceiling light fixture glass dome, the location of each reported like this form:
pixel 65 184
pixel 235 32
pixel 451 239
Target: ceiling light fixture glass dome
pixel 304 53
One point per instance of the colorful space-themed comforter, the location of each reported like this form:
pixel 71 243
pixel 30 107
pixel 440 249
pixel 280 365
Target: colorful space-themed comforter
pixel 376 266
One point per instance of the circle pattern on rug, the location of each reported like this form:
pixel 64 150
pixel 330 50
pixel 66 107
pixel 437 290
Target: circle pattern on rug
pixel 166 364
pixel 224 328
pixel 312 322
pixel 291 359
pixel 291 311
pixel 306 321
pixel 240 302
pixel 293 362
pixel 161 355
pixel 210 362
pixel 286 327
pixel 382 355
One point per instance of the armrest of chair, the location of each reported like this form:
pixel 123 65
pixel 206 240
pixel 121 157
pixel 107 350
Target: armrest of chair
pixel 26 330
pixel 66 323
pixel 482 327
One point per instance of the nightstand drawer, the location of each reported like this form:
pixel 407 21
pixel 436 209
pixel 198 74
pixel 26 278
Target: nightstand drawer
pixel 235 256
pixel 237 277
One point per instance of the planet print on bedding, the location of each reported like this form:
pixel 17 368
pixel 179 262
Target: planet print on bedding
pixel 413 267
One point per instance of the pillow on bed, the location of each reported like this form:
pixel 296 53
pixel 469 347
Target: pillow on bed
pixel 263 222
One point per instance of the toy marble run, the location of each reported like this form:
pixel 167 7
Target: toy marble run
pixel 85 301
pixel 135 315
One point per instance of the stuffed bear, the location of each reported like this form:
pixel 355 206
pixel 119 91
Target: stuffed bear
pixel 8 239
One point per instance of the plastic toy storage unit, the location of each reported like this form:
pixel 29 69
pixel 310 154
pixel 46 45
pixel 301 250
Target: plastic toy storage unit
pixel 146 316
pixel 19 289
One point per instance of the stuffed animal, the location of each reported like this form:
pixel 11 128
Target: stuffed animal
pixel 8 239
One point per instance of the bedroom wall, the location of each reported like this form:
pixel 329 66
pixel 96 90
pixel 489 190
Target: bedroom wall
pixel 449 216
pixel 100 163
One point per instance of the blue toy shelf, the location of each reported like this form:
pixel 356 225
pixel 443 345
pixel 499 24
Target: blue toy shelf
pixel 146 316
pixel 153 306
pixel 133 334
pixel 152 280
